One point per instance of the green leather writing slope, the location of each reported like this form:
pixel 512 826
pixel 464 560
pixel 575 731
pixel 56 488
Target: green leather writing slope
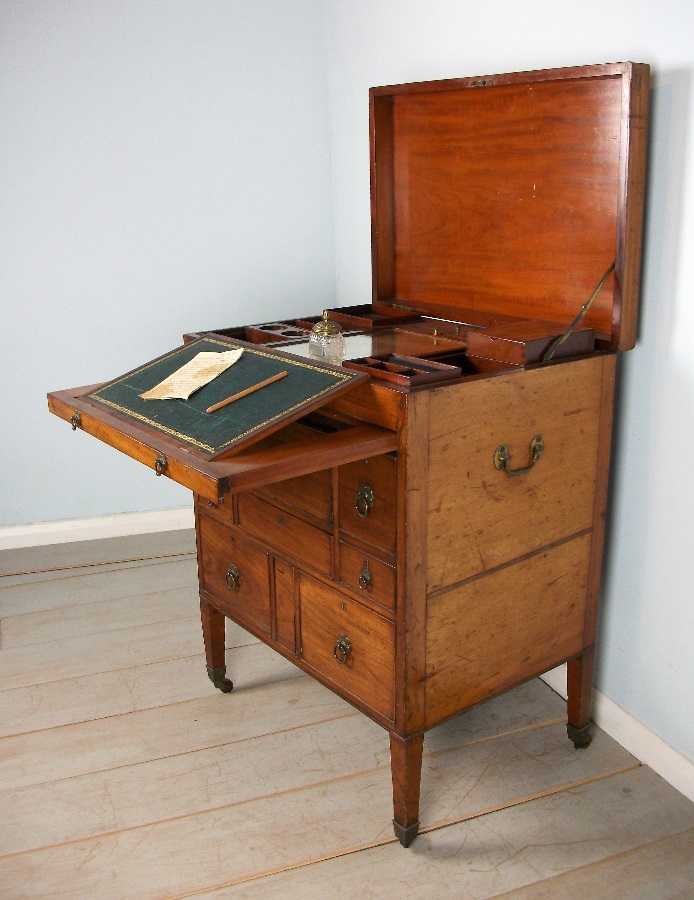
pixel 306 386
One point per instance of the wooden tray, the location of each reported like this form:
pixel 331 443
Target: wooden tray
pixel 367 315
pixel 404 370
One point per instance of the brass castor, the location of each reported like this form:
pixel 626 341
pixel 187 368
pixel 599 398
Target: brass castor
pixel 217 677
pixel 405 835
pixel 580 736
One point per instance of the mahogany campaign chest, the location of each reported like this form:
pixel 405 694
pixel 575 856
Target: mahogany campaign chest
pixel 426 531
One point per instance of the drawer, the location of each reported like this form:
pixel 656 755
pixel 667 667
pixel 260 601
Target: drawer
pixel 368 500
pixel 310 494
pixel 235 571
pixel 348 644
pixel 291 535
pixel 371 577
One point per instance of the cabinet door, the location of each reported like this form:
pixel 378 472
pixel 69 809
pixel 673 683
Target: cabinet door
pixel 480 516
pixel 235 572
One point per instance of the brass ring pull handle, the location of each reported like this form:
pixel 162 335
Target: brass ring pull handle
pixel 76 421
pixel 161 464
pixel 502 457
pixel 365 579
pixel 365 501
pixel 343 648
pixel 232 578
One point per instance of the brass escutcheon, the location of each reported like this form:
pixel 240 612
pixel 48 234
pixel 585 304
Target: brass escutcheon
pixel 502 456
pixel 365 578
pixel 343 648
pixel 76 421
pixel 161 464
pixel 365 501
pixel 232 578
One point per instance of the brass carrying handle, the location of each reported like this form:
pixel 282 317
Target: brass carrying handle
pixel 365 501
pixel 502 457
pixel 343 648
pixel 365 579
pixel 161 464
pixel 232 578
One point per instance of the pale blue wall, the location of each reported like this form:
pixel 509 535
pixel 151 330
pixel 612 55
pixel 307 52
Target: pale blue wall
pixel 164 166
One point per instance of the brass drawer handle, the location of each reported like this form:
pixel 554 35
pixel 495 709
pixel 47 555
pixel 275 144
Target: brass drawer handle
pixel 232 578
pixel 343 648
pixel 365 579
pixel 502 457
pixel 161 464
pixel 365 500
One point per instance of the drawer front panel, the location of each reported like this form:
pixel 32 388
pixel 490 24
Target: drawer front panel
pixel 235 571
pixel 481 517
pixel 311 494
pixel 334 627
pixel 370 577
pixel 287 532
pixel 368 501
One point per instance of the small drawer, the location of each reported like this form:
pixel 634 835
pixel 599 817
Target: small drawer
pixel 368 500
pixel 291 535
pixel 370 577
pixel 309 494
pixel 348 644
pixel 235 571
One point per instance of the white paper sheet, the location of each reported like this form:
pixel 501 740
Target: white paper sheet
pixel 199 371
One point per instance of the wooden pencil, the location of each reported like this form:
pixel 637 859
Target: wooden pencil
pixel 244 393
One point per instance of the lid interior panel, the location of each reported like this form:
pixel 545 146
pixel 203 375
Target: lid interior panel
pixel 503 198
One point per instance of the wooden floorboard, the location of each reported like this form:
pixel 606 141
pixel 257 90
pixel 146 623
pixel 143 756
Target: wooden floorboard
pixel 484 857
pixel 104 694
pixel 254 770
pixel 29 594
pixel 124 773
pixel 56 557
pixel 661 870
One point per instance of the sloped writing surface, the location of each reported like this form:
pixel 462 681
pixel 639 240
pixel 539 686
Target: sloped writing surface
pixel 306 386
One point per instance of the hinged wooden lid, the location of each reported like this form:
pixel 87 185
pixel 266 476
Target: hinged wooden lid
pixel 512 194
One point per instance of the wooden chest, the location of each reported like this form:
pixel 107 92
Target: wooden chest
pixel 430 533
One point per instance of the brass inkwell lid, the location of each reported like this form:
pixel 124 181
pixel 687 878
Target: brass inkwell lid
pixel 326 325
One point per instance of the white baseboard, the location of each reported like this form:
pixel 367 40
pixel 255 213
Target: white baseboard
pixel 634 736
pixel 66 531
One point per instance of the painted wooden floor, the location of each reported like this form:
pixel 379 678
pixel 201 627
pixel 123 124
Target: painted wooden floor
pixel 124 774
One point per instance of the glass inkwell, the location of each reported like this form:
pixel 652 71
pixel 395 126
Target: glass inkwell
pixel 326 340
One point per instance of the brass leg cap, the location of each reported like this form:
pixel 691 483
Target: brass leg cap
pixel 217 678
pixel 580 736
pixel 405 835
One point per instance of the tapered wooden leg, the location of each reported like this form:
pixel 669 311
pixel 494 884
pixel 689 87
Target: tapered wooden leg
pixel 406 770
pixel 213 633
pixel 579 685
